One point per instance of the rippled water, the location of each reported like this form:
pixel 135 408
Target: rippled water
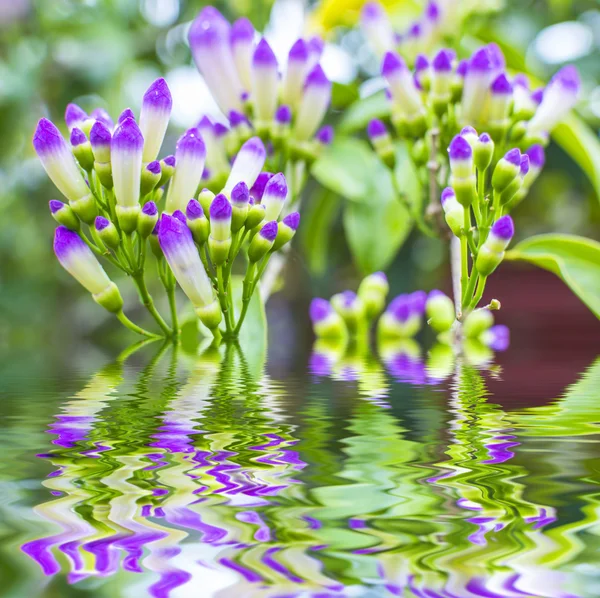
pixel 167 474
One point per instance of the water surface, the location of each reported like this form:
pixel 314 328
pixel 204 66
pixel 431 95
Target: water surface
pixel 414 474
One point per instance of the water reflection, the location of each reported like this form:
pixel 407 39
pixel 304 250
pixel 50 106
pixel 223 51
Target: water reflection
pixel 373 481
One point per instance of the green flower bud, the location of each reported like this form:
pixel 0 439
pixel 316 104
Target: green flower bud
pixel 483 152
pixel 147 219
pixel 107 232
pixel 210 315
pixel 327 323
pixel 492 252
pixel 104 172
pixel 82 149
pixel 110 299
pixel 477 322
pixel 453 212
pixel 286 229
pixel 440 311
pixel 219 250
pixel 64 214
pixel 167 168
pixel 206 198
pixel 128 217
pixel 197 222
pixel 150 177
pixel 373 291
pixel 350 308
pixel 262 241
pixel 256 214
pixel 85 208
pixel 506 170
pixel 465 189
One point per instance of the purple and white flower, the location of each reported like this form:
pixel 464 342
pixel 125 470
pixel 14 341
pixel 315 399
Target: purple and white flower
pixel 274 196
pixel 405 94
pixel 265 82
pixel 209 38
pixel 559 97
pixel 126 149
pixel 377 28
pixel 220 218
pixel 79 261
pixel 154 118
pixel 58 161
pixel 190 154
pixel 477 80
pixel 75 116
pixel 242 46
pixel 295 74
pixel 180 252
pixel 247 164
pixel 313 106
pixel 501 95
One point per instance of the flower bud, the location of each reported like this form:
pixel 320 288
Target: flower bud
pixel 373 291
pixel 492 251
pixel 190 154
pixel 483 152
pixel 82 150
pixel 453 212
pixel 167 168
pixel 274 196
pixel 286 229
pixel 405 94
pixel 506 170
pixel 315 100
pixel 350 308
pixel 497 338
pixel 107 232
pixel 154 242
pixel 441 81
pixel 324 136
pixel 265 81
pixel 440 311
pixel 461 165
pixel 256 214
pixel 477 79
pixel 206 198
pixel 263 241
pixel 240 196
pixel 242 44
pixel 64 214
pixel 327 323
pixel 295 74
pixel 197 222
pixel 150 177
pixel 469 134
pixel 147 219
pixel 210 315
pixel 524 106
pixel 377 28
pixel 500 98
pixel 247 164
pixel 477 322
pixel 154 118
pixel 219 240
pixel 79 261
pixel 74 116
pixel 509 194
pixel 403 317
pixel 381 141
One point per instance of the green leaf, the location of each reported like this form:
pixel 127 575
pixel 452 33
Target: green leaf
pixel 582 144
pixel 253 335
pixel 344 167
pixel 575 259
pixel 317 219
pixel 360 113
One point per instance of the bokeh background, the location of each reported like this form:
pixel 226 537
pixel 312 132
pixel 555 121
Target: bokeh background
pixel 106 52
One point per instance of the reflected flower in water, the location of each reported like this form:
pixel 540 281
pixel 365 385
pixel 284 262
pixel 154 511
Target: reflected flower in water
pixel 194 472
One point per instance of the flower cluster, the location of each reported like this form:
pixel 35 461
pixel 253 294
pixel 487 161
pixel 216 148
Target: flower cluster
pixel 283 106
pixel 440 103
pixel 128 199
pixel 439 20
pixel 350 315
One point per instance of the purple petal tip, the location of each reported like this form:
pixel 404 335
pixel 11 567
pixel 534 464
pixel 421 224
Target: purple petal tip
pixel 46 137
pixel 220 208
pixel 504 228
pixel 292 220
pixel 485 138
pixel 537 156
pixel 317 78
pixel 179 215
pixel 170 161
pixel 127 113
pixel 447 193
pixel 269 230
pixel 74 114
pixel 460 149
pixel 127 136
pixel 242 31
pixel 298 52
pixel 55 205
pixel 319 309
pixel 153 167
pixel 100 134
pixel 194 210
pixel 442 62
pixel 421 63
pixel 392 63
pixel 240 193
pixel 283 115
pixel 513 156
pixel 524 166
pixel 150 209
pixel 101 223
pixel 325 135
pixel 264 55
pixel 501 85
pixel 376 128
pixel 158 95
pixel 77 137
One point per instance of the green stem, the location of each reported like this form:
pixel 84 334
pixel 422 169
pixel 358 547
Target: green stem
pixel 134 327
pixel 470 289
pixel 173 308
pixel 479 294
pixel 148 303
pixel 464 254
pixel 223 300
pixel 249 285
